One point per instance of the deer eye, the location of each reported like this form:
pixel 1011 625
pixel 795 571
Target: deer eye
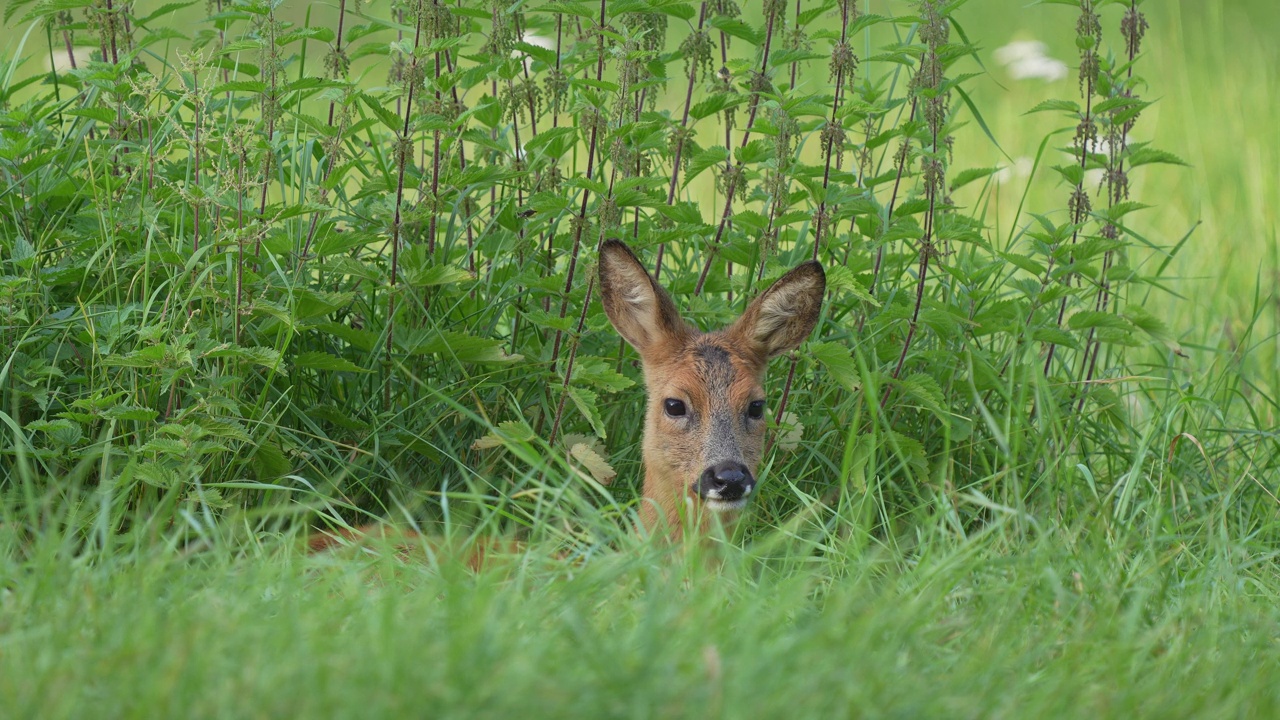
pixel 673 407
pixel 755 410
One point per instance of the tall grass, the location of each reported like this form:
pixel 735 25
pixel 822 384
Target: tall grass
pixel 251 289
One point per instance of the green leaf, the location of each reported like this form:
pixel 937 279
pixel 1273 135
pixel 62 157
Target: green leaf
pixel 754 151
pixel 839 363
pixel 735 28
pixel 1085 319
pixel 388 118
pixel 503 434
pixel 269 462
pixel 1058 105
pixel 926 390
pixel 1142 155
pixel 597 371
pixel 841 278
pixel 705 159
pixel 420 277
pixel 101 114
pixel 964 177
pixel 461 346
pixel 131 412
pixel 685 213
pixel 152 356
pixel 586 401
pixel 317 360
pixel 716 103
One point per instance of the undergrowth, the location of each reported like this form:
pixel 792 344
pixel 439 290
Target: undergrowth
pixel 258 268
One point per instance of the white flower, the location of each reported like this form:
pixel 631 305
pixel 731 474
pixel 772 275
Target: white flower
pixel 1026 59
pixel 1019 170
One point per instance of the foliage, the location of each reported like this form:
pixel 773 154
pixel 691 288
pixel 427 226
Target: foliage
pixel 236 276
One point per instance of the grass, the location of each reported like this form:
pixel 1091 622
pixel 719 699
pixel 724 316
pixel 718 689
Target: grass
pixel 1013 555
pixel 1065 625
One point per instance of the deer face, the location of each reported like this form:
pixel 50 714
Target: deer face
pixel 705 417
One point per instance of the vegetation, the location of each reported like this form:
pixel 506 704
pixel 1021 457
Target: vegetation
pixel 269 269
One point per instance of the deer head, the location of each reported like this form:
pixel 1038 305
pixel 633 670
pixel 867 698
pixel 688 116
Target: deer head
pixel 705 416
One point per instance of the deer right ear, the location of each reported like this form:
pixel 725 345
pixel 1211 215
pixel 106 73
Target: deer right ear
pixel 639 309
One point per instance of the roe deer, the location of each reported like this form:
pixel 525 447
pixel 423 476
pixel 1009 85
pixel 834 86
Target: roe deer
pixel 704 425
pixel 704 422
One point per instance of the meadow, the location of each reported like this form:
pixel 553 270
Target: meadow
pixel 271 269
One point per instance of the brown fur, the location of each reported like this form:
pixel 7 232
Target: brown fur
pixel 717 375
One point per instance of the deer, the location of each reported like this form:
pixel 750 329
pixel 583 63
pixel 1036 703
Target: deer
pixel 705 421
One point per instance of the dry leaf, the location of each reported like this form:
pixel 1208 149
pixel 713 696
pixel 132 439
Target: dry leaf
pixel 790 432
pixel 591 460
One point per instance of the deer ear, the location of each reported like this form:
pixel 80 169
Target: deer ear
pixel 639 309
pixel 784 315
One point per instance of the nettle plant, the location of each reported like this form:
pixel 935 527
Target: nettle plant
pixel 252 252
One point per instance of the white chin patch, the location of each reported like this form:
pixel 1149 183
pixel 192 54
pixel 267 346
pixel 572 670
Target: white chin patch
pixel 720 506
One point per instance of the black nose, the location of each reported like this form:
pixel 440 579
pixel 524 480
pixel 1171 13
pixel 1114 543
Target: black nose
pixel 726 480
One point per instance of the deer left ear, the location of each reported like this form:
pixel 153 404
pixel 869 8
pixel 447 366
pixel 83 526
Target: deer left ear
pixel 784 315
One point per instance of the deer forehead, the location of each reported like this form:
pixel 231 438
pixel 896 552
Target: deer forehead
pixel 710 373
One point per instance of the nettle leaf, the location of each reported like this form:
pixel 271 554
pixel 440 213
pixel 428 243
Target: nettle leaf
pixel 223 427
pixel 264 356
pixel 461 346
pixel 754 151
pixel 255 87
pixel 156 475
pixel 587 403
pixel 714 104
pixel 317 360
pixel 549 203
pixel 376 106
pixel 1150 324
pixel 148 357
pixel 1058 105
pixel 542 318
pixel 1086 319
pixel 1054 335
pixel 269 462
pixel 503 434
pixel 735 28
pixel 597 371
pixel 715 155
pixel 1143 155
pixel 839 363
pixel 131 412
pixel 23 254
pixel 909 450
pixel 841 278
pixel 685 213
pixel 926 390
pixel 545 55
pixel 359 339
pixel 165 446
pixel 309 303
pixel 964 177
pixel 420 277
pixel 1024 263
pixel 61 432
pixel 1073 174
pixel 101 114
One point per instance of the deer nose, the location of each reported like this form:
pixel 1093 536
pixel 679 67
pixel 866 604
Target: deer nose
pixel 726 480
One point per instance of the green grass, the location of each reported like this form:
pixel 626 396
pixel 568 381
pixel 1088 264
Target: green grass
pixel 1066 625
pixel 1024 550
